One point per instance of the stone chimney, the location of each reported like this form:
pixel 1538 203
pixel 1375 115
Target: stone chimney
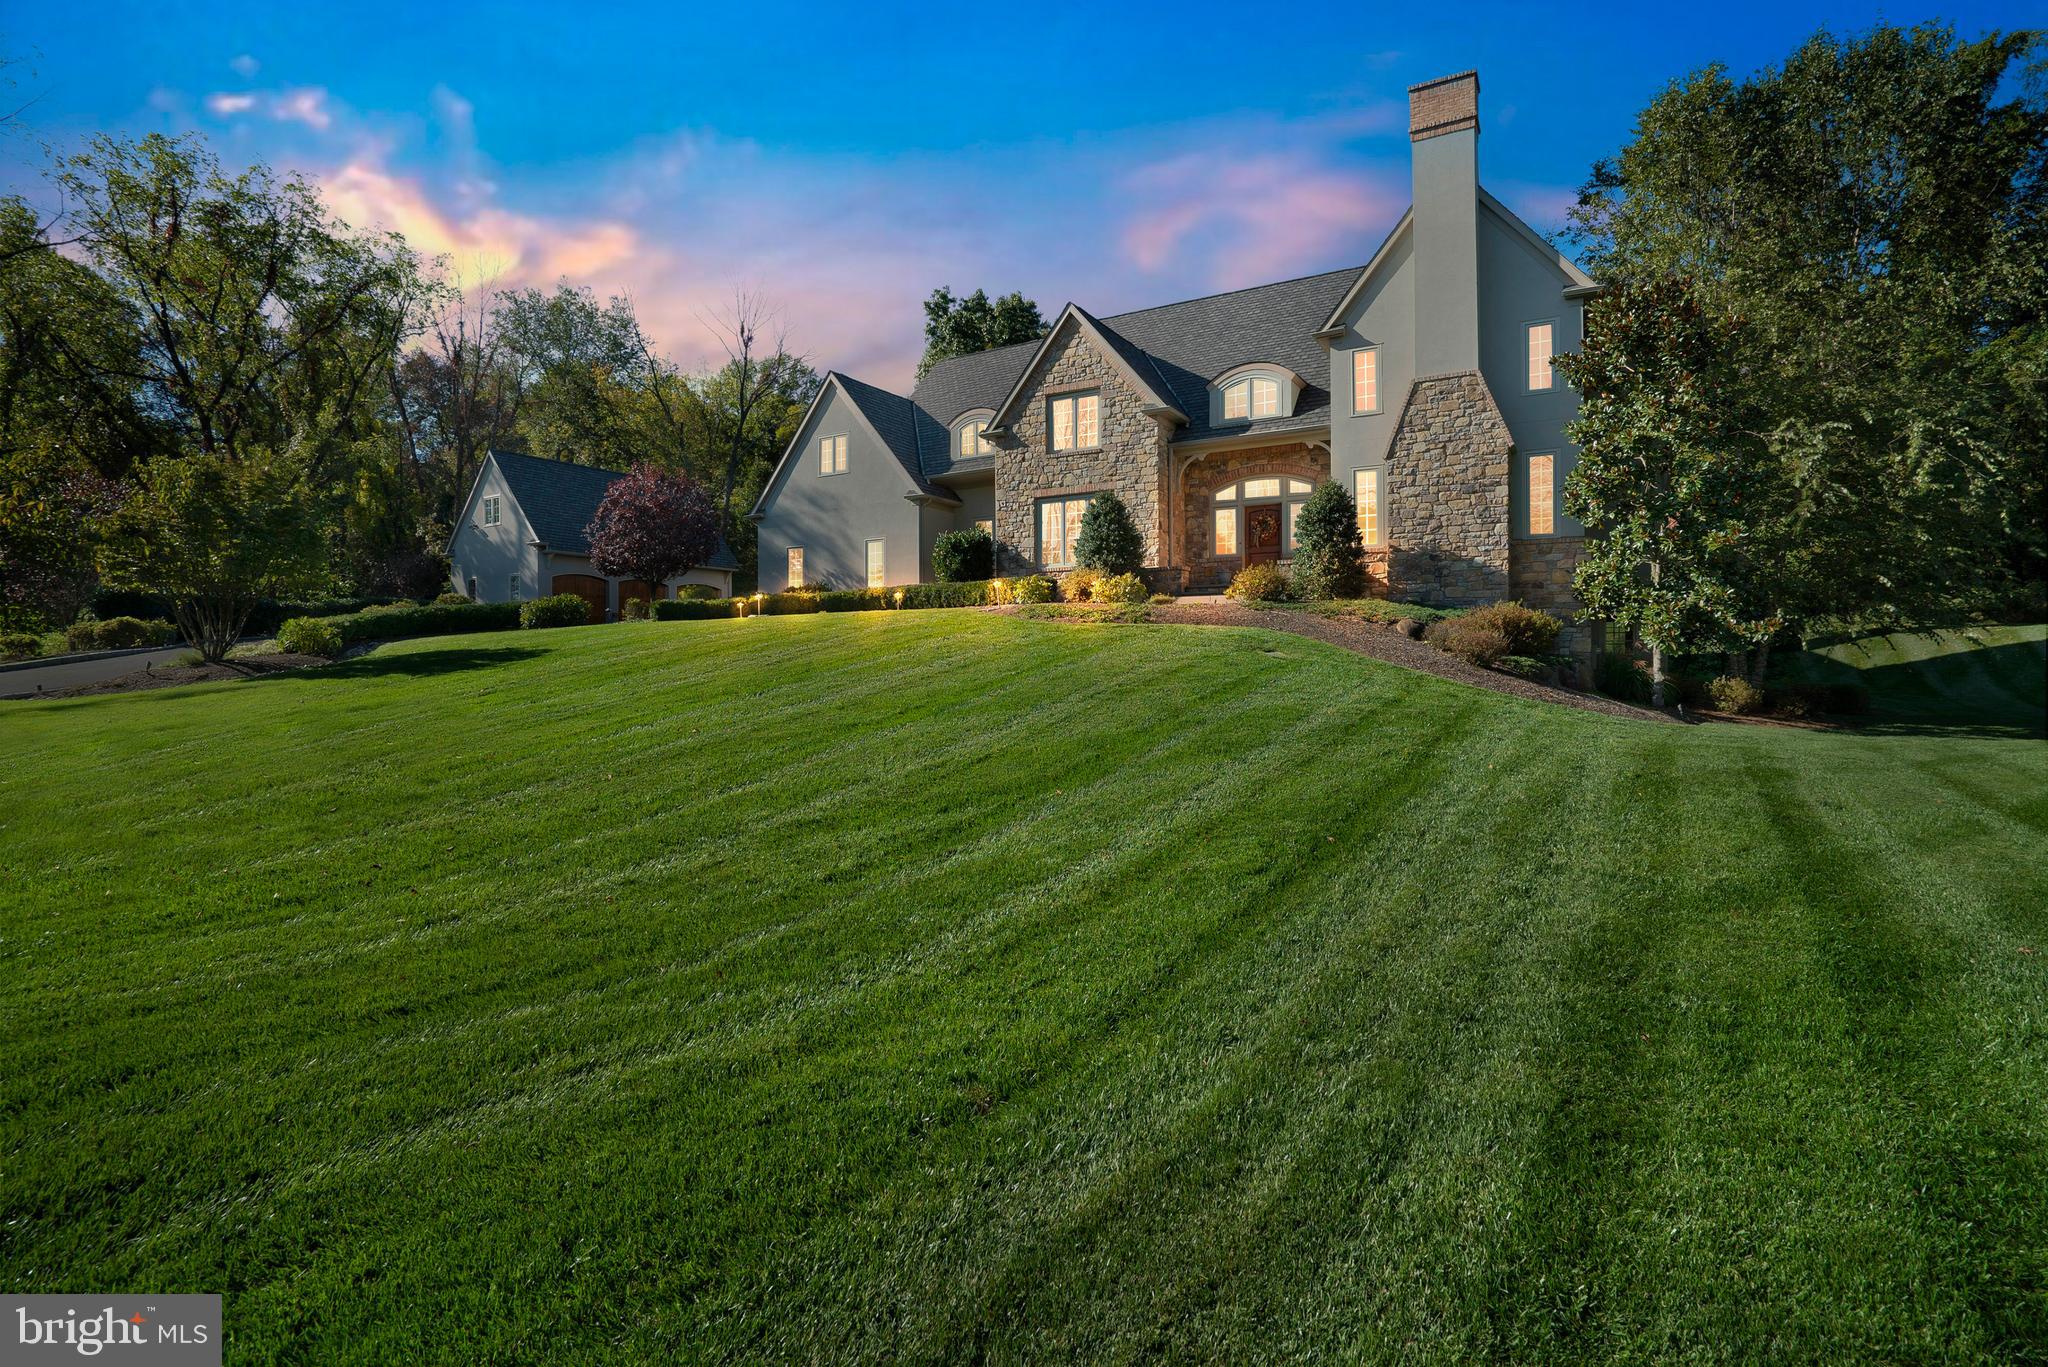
pixel 1443 130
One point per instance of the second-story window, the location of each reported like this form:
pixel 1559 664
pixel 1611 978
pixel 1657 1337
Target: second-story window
pixel 1541 337
pixel 971 442
pixel 1365 380
pixel 1252 398
pixel 491 512
pixel 832 455
pixel 1076 422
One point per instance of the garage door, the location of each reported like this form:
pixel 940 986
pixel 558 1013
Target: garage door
pixel 637 588
pixel 588 587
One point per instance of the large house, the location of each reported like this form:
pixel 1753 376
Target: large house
pixel 521 536
pixel 1422 380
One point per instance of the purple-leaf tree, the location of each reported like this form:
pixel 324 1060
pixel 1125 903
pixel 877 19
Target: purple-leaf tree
pixel 653 524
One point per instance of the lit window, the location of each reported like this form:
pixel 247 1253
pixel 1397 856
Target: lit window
pixel 971 441
pixel 1365 380
pixel 832 455
pixel 1227 495
pixel 1297 486
pixel 1059 528
pixel 1262 488
pixel 1265 398
pixel 1292 509
pixel 986 524
pixel 796 566
pixel 1237 401
pixel 878 563
pixel 491 512
pixel 1226 531
pixel 1539 355
pixel 1542 493
pixel 1365 491
pixel 1075 424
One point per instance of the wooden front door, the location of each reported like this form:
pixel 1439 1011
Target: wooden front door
pixel 1262 534
pixel 589 588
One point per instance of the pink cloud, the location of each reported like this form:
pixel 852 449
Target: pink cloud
pixel 1250 218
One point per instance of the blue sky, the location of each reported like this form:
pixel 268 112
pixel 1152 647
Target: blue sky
pixel 844 160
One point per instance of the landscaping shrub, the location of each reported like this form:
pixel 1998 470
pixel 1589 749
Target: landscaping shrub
pixel 556 610
pixel 1528 631
pixel 309 636
pixel 972 593
pixel 20 645
pixel 270 614
pixel 1109 540
pixel 1259 584
pixel 117 633
pixel 1385 610
pixel 1032 588
pixel 1119 588
pixel 1329 555
pixel 702 593
pixel 694 609
pixel 1078 586
pixel 849 600
pixel 402 621
pixel 1620 677
pixel 963 556
pixel 451 597
pixel 1731 693
pixel 1471 639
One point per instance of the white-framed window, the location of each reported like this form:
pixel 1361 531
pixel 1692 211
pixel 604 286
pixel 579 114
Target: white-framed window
pixel 796 567
pixel 878 562
pixel 1542 340
pixel 1542 491
pixel 1059 530
pixel 1227 519
pixel 1076 422
pixel 1365 380
pixel 491 510
pixel 1365 494
pixel 832 455
pixel 1252 397
pixel 512 588
pixel 1226 531
pixel 971 442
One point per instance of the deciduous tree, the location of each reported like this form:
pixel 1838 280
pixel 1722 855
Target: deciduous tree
pixel 653 524
pixel 961 327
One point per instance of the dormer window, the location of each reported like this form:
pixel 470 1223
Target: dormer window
pixel 969 440
pixel 1252 398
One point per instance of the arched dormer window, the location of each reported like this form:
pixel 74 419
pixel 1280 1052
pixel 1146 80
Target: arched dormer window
pixel 968 440
pixel 1253 393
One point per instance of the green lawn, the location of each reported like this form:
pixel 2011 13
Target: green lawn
pixel 944 985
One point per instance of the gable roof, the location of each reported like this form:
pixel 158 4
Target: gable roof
pixel 890 418
pixel 560 498
pixel 1136 365
pixel 1181 346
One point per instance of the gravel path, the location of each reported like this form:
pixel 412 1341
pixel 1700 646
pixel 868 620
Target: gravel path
pixel 1369 638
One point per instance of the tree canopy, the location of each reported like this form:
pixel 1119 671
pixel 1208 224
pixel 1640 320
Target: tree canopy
pixel 961 327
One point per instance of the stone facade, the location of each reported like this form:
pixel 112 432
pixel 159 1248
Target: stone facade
pixel 1540 576
pixel 1128 461
pixel 1206 571
pixel 1447 494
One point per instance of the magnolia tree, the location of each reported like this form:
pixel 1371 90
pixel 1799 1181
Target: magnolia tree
pixel 653 524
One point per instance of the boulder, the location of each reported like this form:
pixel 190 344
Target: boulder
pixel 1406 626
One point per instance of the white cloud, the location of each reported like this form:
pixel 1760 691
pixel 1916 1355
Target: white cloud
pixel 228 105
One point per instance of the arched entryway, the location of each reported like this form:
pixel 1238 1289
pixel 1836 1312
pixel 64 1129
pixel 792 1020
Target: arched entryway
pixel 589 588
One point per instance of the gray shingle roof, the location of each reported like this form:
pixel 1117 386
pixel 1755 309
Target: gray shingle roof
pixel 894 418
pixel 560 499
pixel 1186 345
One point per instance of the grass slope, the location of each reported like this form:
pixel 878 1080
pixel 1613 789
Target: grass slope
pixel 945 985
pixel 1986 678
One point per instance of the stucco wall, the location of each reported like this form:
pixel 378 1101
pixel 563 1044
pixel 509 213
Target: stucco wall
pixel 1129 459
pixel 1517 287
pixel 832 516
pixel 493 556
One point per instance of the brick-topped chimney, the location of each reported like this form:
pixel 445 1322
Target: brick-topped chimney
pixel 1444 105
pixel 1443 128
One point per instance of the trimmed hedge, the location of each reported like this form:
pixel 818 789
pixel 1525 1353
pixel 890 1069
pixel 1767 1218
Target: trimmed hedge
pixel 402 621
pixel 975 593
pixel 556 610
pixel 20 645
pixel 117 633
pixel 693 609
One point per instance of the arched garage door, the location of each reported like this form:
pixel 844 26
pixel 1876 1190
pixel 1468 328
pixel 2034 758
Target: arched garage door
pixel 588 587
pixel 637 588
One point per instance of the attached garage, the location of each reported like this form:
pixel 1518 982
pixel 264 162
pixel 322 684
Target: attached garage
pixel 589 588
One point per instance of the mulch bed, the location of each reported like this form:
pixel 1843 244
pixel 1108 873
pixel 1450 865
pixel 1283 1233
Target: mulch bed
pixel 170 676
pixel 1370 638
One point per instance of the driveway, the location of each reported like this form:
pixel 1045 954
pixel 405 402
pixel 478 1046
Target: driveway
pixel 30 680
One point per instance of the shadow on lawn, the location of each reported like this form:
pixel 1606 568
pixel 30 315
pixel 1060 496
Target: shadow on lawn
pixel 417 664
pixel 1986 692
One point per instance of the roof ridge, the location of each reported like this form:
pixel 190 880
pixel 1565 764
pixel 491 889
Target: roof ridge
pixel 550 460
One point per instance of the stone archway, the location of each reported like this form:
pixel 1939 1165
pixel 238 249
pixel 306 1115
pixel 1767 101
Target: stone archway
pixel 1204 571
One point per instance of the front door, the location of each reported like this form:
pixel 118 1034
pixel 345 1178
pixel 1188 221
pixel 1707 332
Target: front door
pixel 1262 534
